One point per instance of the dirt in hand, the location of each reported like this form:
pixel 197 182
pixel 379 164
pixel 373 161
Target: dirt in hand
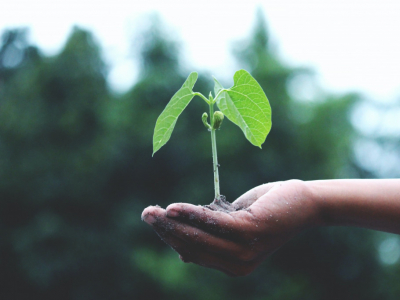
pixel 223 205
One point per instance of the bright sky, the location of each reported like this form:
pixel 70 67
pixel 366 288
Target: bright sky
pixel 351 44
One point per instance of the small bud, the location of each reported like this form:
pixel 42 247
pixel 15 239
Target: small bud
pixel 218 118
pixel 204 119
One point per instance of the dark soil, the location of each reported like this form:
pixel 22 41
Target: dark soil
pixel 222 205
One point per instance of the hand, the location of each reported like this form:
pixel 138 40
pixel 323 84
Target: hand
pixel 237 242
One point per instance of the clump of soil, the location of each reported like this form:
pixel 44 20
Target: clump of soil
pixel 222 204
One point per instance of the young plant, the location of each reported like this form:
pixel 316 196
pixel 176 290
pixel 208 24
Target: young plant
pixel 245 104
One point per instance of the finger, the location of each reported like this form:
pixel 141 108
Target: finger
pixel 199 239
pixel 229 266
pixel 236 261
pixel 152 213
pixel 193 236
pixel 233 265
pixel 228 225
pixel 180 246
pixel 189 254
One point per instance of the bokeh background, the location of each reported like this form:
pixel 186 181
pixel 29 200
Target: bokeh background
pixel 76 168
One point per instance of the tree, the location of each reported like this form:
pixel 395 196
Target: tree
pixel 54 156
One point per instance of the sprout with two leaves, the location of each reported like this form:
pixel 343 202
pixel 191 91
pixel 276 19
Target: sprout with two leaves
pixel 245 104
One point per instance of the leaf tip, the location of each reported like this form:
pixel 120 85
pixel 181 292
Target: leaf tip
pixel 154 151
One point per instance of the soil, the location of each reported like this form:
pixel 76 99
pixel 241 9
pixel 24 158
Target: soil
pixel 222 205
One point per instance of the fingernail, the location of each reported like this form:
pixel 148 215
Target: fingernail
pixel 149 219
pixel 172 213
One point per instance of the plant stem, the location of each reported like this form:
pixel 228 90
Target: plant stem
pixel 202 96
pixel 214 152
pixel 219 93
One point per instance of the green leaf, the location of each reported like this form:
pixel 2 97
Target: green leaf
pixel 166 121
pixel 228 110
pixel 246 105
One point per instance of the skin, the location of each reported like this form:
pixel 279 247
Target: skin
pixel 269 216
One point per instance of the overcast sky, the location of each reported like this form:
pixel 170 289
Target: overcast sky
pixel 352 44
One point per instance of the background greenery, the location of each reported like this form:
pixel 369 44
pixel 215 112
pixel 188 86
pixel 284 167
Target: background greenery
pixel 76 171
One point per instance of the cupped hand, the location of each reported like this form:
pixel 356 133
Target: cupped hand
pixel 235 243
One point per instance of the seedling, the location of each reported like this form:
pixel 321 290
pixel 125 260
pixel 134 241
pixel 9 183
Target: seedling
pixel 245 104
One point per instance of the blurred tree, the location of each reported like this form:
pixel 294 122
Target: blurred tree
pixel 54 160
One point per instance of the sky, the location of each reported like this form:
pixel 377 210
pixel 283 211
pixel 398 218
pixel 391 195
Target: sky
pixel 351 45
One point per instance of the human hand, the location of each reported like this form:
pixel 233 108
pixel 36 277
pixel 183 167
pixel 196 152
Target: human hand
pixel 236 242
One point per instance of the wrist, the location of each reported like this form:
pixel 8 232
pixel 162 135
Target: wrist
pixel 305 203
pixel 314 193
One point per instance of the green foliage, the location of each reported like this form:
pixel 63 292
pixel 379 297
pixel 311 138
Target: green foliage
pixel 167 120
pixel 246 105
pixel 218 118
pixel 204 119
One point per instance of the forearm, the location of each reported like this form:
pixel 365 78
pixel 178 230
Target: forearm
pixel 367 203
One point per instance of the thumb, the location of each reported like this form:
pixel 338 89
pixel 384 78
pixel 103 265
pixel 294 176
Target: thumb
pixel 252 195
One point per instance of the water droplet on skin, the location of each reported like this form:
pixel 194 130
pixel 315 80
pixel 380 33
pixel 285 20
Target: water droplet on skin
pixel 270 215
pixel 277 220
pixel 256 225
